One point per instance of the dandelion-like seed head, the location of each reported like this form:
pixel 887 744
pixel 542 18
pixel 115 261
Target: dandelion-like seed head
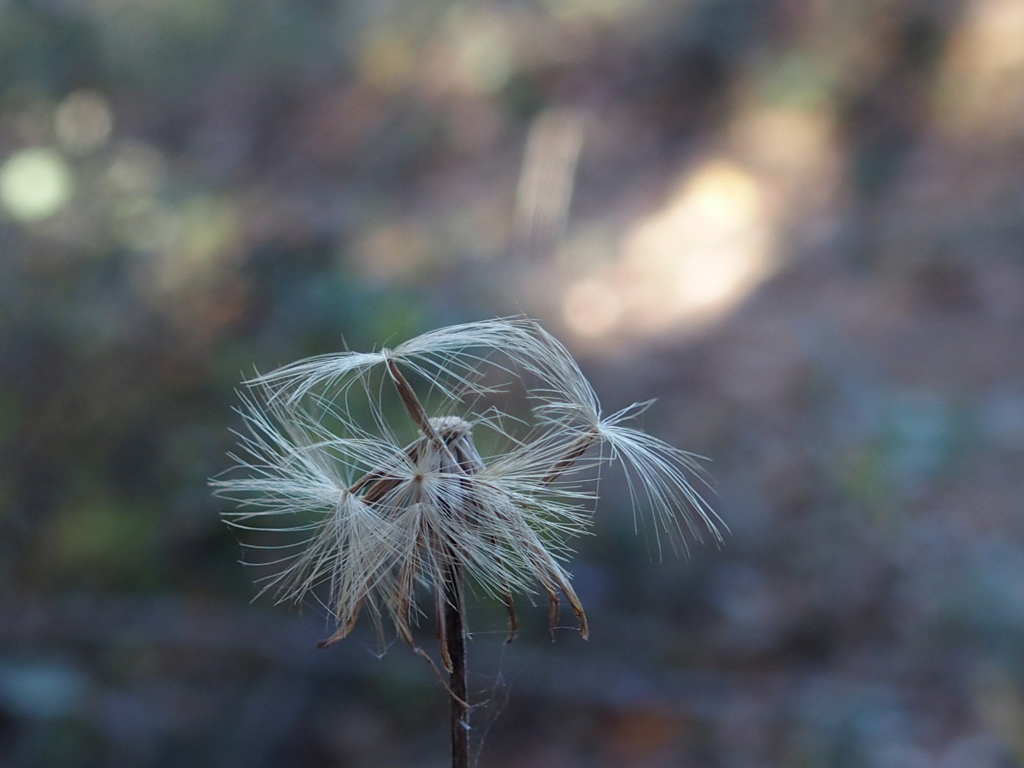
pixel 378 521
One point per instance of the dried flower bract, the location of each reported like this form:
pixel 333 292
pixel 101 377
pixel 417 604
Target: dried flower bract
pixel 373 460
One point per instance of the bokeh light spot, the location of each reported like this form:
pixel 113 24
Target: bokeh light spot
pixel 83 121
pixel 35 183
pixel 137 168
pixel 483 55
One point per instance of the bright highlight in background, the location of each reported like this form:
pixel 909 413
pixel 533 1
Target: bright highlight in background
pixel 83 121
pixel 35 183
pixel 684 265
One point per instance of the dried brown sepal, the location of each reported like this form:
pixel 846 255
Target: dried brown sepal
pixel 513 620
pixel 345 629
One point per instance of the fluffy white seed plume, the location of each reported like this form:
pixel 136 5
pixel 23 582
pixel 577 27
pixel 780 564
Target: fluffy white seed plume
pixel 379 517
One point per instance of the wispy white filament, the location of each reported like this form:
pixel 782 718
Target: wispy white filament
pixel 377 516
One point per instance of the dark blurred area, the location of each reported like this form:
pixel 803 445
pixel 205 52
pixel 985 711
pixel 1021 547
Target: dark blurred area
pixel 798 223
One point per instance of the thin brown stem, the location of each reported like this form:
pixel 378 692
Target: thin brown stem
pixel 456 637
pixel 416 411
pixel 411 402
pixel 451 628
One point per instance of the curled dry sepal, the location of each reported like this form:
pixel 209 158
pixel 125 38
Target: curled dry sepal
pixel 378 516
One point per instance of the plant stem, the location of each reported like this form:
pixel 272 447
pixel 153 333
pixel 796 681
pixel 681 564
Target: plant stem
pixel 456 636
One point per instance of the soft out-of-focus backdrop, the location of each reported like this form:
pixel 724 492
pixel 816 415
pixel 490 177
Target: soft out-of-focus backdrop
pixel 798 223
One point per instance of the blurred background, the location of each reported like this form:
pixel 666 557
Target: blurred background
pixel 798 223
